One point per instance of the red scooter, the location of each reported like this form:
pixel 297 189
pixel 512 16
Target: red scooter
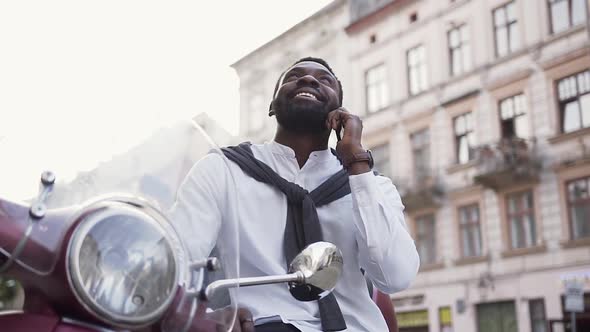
pixel 100 253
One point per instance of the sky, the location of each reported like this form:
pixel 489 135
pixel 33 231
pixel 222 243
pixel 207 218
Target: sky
pixel 79 79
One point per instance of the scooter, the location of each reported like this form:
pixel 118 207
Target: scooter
pixel 100 253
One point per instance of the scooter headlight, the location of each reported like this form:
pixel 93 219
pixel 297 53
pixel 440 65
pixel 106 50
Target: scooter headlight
pixel 123 263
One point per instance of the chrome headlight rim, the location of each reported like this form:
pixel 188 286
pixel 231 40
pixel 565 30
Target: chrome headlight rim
pixel 90 215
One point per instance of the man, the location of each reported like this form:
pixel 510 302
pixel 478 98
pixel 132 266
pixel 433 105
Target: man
pixel 363 217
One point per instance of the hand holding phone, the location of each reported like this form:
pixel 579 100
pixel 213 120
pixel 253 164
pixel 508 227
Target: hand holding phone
pixel 349 130
pixel 348 127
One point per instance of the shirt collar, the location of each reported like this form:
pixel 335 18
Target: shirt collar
pixel 286 151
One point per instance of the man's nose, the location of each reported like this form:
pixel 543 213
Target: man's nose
pixel 308 80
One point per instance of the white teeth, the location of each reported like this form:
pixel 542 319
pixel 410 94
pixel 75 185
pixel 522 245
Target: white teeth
pixel 306 94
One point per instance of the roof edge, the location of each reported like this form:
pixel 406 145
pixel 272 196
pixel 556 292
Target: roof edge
pixel 323 10
pixel 374 17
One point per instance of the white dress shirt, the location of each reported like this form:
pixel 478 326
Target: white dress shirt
pixel 367 225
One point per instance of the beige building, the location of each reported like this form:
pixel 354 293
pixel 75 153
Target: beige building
pixel 479 110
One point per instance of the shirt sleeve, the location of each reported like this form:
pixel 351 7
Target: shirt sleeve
pixel 387 251
pixel 196 213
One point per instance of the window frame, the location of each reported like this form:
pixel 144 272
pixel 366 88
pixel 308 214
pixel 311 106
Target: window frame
pixel 506 25
pixel 462 197
pixel 570 16
pixel 568 206
pixel 531 211
pixel 470 225
pixel 461 48
pixel 525 114
pixel 565 174
pixel 539 245
pixel 425 217
pixel 384 81
pixel 425 145
pixel 456 140
pixel 422 66
pixel 562 103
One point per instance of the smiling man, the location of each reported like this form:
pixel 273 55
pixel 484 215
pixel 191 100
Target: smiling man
pixel 294 191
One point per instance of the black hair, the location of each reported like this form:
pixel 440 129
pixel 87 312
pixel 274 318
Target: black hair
pixel 321 62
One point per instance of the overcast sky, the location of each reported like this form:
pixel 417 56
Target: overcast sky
pixel 92 68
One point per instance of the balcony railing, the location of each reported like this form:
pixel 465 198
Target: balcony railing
pixel 510 162
pixel 423 191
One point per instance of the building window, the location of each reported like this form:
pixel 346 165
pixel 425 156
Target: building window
pixel 417 71
pixel 566 13
pixel 521 219
pixel 381 159
pixel 578 201
pixel 464 137
pixel 469 226
pixel 537 313
pixel 445 318
pixel 376 88
pixel 460 50
pixel 494 317
pixel 513 117
pixel 426 239
pixel 506 29
pixel 574 101
pixel 420 142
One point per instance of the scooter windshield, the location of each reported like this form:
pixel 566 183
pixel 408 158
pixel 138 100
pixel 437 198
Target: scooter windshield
pixel 137 224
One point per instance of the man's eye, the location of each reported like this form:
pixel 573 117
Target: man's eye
pixel 291 77
pixel 326 79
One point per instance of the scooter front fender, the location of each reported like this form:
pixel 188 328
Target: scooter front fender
pixel 25 322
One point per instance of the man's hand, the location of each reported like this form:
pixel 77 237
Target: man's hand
pixel 244 321
pixel 350 144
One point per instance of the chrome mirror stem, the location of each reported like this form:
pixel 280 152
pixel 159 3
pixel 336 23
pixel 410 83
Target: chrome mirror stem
pixel 38 208
pixel 217 285
pixel 210 263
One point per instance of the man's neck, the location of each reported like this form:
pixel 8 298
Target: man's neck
pixel 302 143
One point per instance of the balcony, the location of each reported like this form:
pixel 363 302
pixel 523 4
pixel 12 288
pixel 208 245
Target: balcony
pixel 421 192
pixel 510 162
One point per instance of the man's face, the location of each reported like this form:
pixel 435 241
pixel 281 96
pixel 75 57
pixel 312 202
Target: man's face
pixel 306 94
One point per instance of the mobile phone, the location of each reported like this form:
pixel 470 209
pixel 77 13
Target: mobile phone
pixel 338 135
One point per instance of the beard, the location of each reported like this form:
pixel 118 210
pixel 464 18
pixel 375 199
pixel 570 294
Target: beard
pixel 301 117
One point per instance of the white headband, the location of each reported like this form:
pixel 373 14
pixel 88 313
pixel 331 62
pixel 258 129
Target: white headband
pixel 298 63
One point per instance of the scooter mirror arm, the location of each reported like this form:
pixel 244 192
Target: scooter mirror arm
pixel 210 263
pixel 212 288
pixel 38 208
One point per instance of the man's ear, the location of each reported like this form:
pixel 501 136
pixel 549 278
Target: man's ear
pixel 270 110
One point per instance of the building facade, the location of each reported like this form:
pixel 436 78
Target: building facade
pixel 479 111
